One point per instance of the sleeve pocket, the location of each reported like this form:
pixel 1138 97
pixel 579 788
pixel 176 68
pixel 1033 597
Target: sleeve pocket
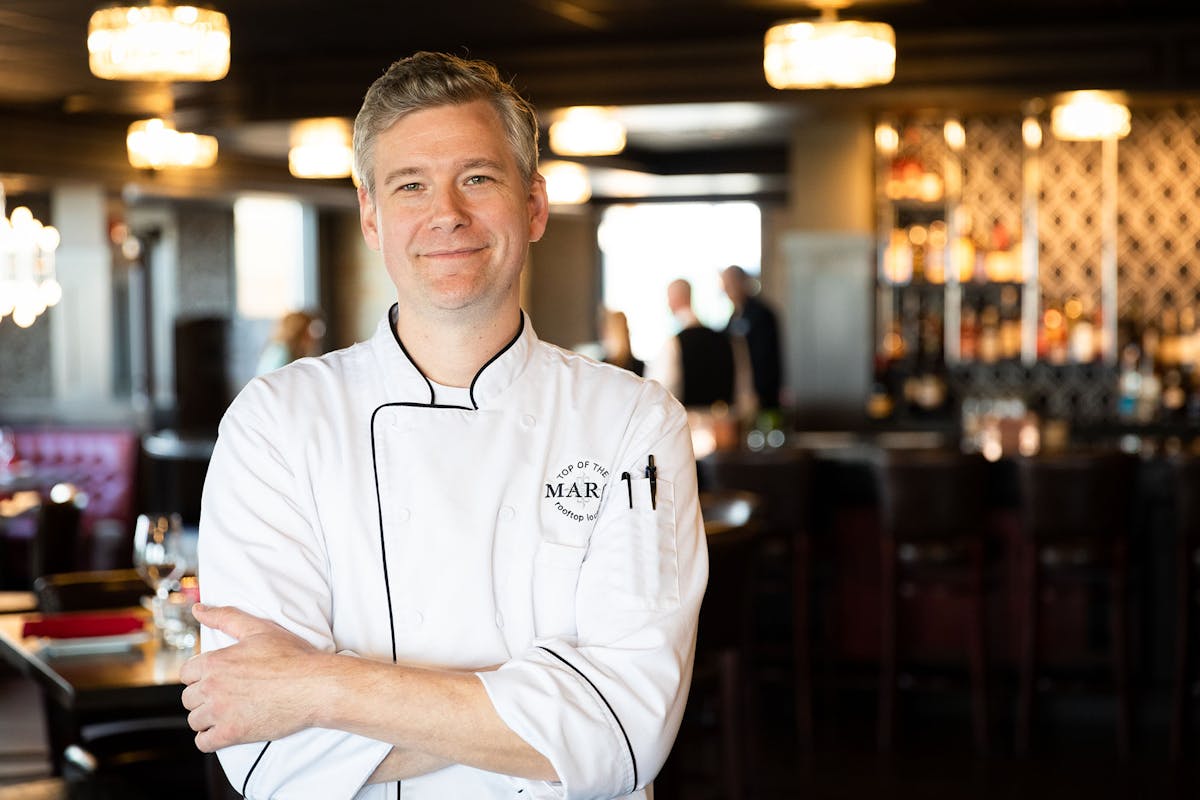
pixel 647 576
pixel 555 578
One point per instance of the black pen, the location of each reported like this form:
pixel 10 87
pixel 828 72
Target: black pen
pixel 628 487
pixel 652 474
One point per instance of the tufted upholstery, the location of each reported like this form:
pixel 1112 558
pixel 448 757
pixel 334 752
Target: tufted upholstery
pixel 100 462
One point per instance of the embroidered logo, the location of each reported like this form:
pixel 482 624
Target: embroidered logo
pixel 577 489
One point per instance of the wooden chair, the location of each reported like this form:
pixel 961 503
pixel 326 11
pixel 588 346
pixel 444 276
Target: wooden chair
pixel 83 591
pixel 782 478
pixel 118 756
pixel 722 645
pixel 1076 517
pixel 932 520
pixel 1186 474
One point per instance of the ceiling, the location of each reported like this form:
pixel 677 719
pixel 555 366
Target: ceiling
pixel 685 74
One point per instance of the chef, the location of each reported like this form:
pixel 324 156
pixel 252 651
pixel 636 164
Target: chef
pixel 452 561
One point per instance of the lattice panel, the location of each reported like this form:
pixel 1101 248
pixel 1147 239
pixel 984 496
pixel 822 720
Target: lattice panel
pixel 1159 210
pixel 1069 221
pixel 992 169
pixel 1158 234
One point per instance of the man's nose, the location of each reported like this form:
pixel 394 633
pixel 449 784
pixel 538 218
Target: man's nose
pixel 449 209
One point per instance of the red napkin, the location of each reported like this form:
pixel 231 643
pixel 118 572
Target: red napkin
pixel 75 626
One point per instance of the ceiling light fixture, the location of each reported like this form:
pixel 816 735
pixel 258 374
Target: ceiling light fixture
pixel 567 183
pixel 28 285
pixel 1089 116
pixel 587 131
pixel 829 53
pixel 321 148
pixel 155 144
pixel 157 41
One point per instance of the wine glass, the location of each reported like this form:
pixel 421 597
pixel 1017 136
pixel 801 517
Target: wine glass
pixel 8 450
pixel 158 551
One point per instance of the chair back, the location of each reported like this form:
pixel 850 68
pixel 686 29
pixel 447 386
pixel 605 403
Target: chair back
pixel 56 542
pixel 930 494
pixel 1185 473
pixel 89 591
pixel 780 478
pixel 732 528
pixel 1077 496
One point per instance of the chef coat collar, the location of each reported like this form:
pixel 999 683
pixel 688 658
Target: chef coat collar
pixel 496 375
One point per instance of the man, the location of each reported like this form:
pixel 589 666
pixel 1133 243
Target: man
pixel 452 561
pixel 697 364
pixel 755 323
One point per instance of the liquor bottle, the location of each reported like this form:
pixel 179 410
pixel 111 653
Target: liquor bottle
pixel 1129 382
pixel 1010 323
pixel 1053 345
pixel 968 336
pixel 1081 334
pixel 989 334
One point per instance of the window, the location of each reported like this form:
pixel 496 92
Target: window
pixel 646 246
pixel 269 256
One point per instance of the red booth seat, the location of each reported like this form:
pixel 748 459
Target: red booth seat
pixel 100 462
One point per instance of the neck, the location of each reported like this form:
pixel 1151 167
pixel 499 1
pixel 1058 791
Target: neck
pixel 452 354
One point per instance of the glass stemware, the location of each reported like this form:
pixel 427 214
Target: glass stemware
pixel 158 551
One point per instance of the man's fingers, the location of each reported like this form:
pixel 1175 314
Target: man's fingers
pixel 206 741
pixel 230 620
pixel 192 669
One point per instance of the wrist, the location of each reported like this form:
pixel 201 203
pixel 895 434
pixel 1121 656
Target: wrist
pixel 326 683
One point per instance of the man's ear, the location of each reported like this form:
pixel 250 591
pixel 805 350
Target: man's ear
pixel 539 207
pixel 367 219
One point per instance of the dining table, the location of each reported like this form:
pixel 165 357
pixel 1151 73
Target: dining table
pixel 84 684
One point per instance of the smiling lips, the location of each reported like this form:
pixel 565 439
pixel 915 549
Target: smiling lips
pixel 457 252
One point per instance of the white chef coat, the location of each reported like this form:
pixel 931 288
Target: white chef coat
pixel 348 502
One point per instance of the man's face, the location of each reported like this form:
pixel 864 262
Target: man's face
pixel 451 215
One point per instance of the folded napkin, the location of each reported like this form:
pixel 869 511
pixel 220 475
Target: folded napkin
pixel 77 626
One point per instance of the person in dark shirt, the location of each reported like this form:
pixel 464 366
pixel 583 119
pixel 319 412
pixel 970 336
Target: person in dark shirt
pixel 696 365
pixel 756 324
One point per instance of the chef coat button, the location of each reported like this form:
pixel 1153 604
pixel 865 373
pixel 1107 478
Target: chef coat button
pixel 527 421
pixel 499 620
pixel 402 515
pixel 412 617
pixel 507 513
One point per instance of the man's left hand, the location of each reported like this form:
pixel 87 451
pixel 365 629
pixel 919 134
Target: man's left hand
pixel 251 691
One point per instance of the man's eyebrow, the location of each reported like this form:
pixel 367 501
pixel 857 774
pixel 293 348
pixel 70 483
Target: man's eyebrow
pixel 477 163
pixel 401 172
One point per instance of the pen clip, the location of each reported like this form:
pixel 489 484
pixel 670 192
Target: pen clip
pixel 652 474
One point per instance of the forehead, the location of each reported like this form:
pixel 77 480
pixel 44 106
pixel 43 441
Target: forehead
pixel 461 132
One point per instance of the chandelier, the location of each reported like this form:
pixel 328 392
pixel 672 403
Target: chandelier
pixel 587 131
pixel 155 144
pixel 829 53
pixel 27 278
pixel 158 42
pixel 320 148
pixel 1089 116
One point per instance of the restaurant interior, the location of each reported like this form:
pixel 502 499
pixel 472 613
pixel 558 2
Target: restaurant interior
pixel 960 558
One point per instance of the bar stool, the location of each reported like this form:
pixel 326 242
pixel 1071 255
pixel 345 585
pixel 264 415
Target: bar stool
pixel 722 644
pixel 1076 513
pixel 781 477
pixel 932 531
pixel 1186 474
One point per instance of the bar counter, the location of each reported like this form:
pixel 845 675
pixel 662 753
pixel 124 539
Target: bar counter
pixel 842 521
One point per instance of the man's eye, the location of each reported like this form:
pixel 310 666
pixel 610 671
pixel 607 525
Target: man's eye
pixel 476 180
pixel 409 187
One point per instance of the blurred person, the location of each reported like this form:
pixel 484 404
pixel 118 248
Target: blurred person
pixel 696 365
pixel 614 338
pixel 416 551
pixel 755 323
pixel 297 334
